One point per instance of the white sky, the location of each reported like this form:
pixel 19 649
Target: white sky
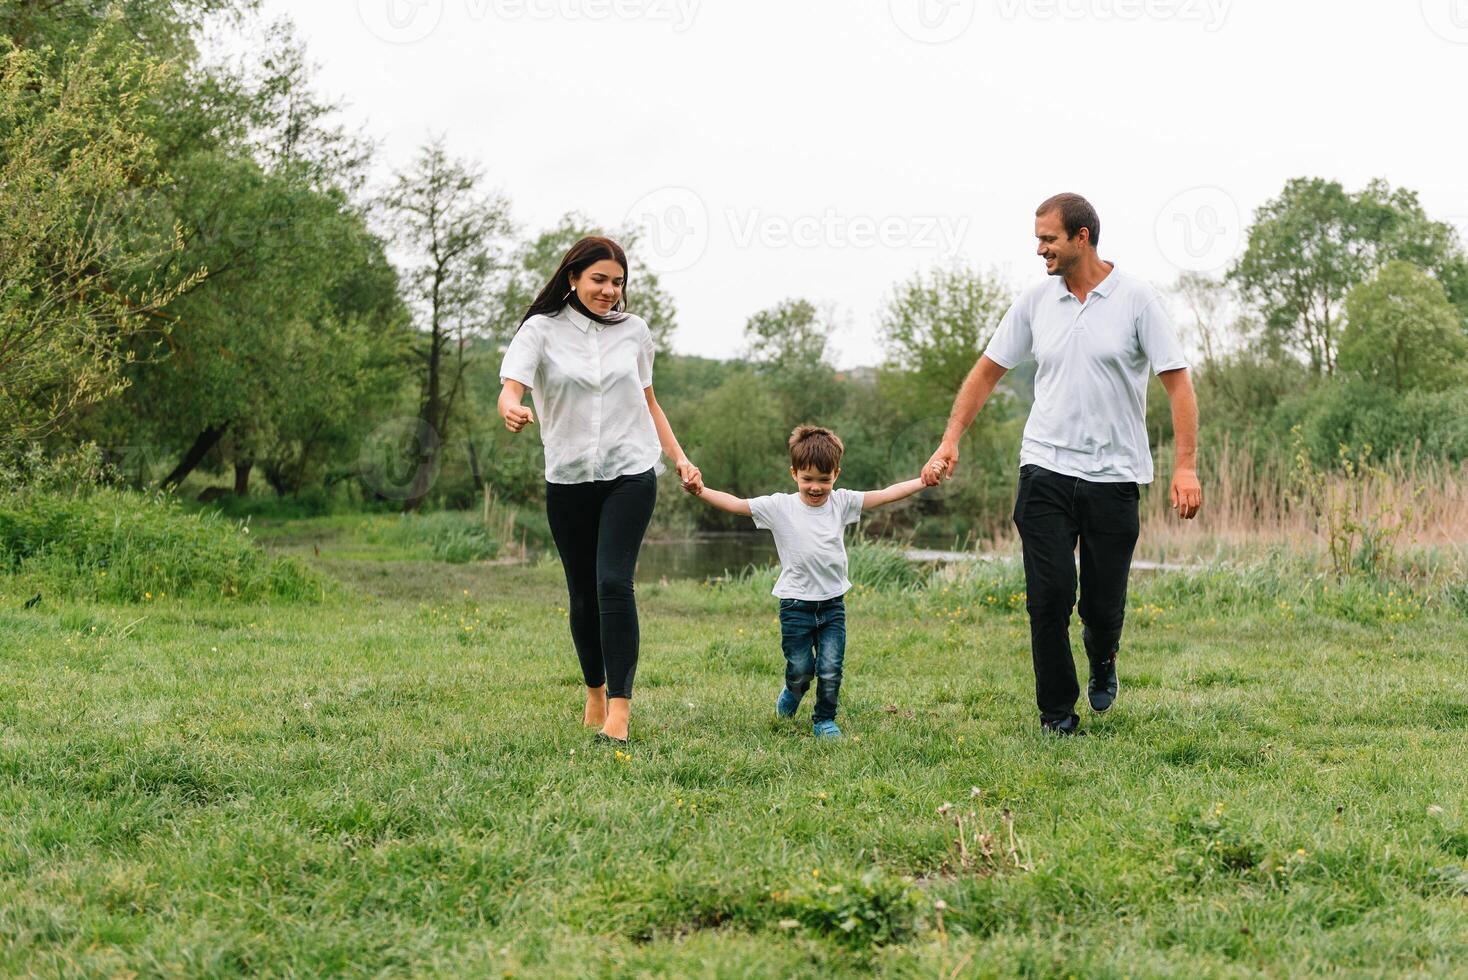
pixel 827 150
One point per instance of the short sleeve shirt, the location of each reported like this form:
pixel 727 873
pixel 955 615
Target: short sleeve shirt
pixel 809 540
pixel 1092 358
pixel 587 381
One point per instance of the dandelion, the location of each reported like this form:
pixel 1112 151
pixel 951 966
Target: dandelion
pixel 815 872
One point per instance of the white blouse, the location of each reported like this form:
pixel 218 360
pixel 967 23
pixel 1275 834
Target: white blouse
pixel 586 380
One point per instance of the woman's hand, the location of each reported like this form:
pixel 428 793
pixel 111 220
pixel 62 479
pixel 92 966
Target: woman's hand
pixel 516 416
pixel 690 477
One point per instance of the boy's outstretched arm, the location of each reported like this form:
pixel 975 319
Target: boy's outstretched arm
pixel 897 491
pixel 726 501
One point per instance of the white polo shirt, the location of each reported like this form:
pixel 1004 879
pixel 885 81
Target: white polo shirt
pixel 587 382
pixel 1089 419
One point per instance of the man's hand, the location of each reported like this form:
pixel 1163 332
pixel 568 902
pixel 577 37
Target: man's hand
pixel 516 416
pixel 1187 493
pixel 942 465
pixel 690 477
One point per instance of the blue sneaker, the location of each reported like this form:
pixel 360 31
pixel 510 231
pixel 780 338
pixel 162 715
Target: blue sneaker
pixel 786 704
pixel 826 729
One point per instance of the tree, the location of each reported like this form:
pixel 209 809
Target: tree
pixel 1403 333
pixel 935 326
pixel 455 236
pixel 738 436
pixel 1311 245
pixel 789 344
pixel 71 233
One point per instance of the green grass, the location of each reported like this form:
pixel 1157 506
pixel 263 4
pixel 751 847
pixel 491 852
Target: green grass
pixel 443 536
pixel 394 781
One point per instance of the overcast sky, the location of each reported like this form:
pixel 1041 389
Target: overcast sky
pixel 825 149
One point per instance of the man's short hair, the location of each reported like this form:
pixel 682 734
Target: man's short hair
pixel 815 448
pixel 1075 213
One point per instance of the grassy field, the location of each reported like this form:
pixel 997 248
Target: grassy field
pixel 394 781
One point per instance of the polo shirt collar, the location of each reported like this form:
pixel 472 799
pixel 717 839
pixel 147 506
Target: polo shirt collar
pixel 1102 288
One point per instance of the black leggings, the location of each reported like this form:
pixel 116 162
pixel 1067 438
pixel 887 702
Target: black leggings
pixel 598 528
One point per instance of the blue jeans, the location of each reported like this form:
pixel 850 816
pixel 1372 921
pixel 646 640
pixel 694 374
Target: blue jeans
pixel 813 635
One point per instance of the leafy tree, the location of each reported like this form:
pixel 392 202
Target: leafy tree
pixel 1311 245
pixel 738 436
pixel 934 327
pixel 790 345
pixel 454 234
pixel 71 233
pixel 1403 333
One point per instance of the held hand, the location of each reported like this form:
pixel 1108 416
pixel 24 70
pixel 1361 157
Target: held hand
pixel 941 466
pixel 690 477
pixel 516 417
pixel 1187 494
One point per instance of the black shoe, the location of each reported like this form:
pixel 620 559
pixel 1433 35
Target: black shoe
pixel 606 739
pixel 1069 725
pixel 1102 687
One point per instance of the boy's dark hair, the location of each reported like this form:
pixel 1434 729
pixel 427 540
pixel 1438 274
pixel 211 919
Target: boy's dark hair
pixel 815 448
pixel 1075 213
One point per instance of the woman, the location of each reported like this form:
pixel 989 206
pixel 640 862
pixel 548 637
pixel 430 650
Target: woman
pixel 588 365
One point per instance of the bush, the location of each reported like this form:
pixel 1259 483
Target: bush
pixel 123 546
pixel 878 565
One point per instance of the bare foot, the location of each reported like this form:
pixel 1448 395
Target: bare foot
pixel 619 713
pixel 596 707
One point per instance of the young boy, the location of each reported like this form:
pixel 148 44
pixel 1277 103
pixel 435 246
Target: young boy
pixel 808 527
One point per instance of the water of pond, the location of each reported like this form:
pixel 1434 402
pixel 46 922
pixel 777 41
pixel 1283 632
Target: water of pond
pixel 705 557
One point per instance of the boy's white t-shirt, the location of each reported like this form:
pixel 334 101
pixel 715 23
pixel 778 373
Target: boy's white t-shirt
pixel 809 540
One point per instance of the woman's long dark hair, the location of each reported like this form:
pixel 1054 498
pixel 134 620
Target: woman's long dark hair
pixel 580 257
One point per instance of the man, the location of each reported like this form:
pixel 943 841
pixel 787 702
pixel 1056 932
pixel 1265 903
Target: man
pixel 1094 331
